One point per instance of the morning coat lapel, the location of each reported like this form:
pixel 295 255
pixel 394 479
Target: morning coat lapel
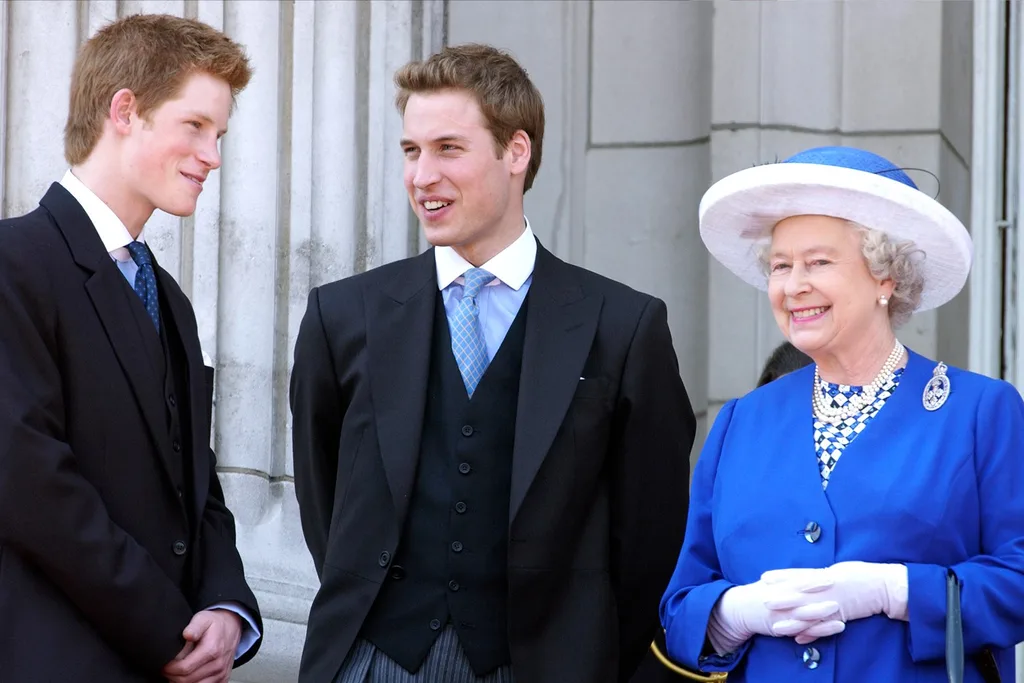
pixel 399 325
pixel 183 320
pixel 561 321
pixel 110 297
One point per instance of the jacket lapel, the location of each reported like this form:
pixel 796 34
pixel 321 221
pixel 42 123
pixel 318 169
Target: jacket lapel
pixel 399 324
pixel 561 321
pixel 183 319
pixel 106 288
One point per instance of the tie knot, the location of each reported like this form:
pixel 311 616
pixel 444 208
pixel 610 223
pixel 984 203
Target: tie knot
pixel 476 279
pixel 139 253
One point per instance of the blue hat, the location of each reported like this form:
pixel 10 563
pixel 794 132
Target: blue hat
pixel 738 213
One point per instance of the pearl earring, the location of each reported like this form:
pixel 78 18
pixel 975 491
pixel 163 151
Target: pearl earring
pixel 883 300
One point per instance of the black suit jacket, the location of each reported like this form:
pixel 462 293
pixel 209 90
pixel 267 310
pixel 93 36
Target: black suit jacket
pixel 100 570
pixel 599 470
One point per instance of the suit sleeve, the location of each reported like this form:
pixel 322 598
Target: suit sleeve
pixel 317 414
pixel 223 578
pixel 992 583
pixel 49 513
pixel 655 429
pixel 697 582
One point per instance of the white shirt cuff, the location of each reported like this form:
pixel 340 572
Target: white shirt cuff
pixel 250 634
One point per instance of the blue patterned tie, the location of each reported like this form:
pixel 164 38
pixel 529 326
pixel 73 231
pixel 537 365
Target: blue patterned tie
pixel 145 280
pixel 467 337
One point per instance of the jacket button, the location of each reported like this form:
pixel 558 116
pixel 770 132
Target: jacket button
pixel 180 548
pixel 460 507
pixel 435 624
pixel 811 657
pixel 467 430
pixel 170 401
pixel 180 493
pixel 384 559
pixel 453 585
pixel 176 446
pixel 464 468
pixel 457 546
pixel 398 572
pixel 812 532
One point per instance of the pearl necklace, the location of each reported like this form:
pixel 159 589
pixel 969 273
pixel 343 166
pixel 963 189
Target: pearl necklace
pixel 826 412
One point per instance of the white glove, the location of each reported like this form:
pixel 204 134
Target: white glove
pixel 742 612
pixel 860 589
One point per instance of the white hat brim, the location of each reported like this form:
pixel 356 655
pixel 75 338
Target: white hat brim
pixel 738 213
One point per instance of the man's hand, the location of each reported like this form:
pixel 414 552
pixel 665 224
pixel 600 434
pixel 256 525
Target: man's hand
pixel 211 639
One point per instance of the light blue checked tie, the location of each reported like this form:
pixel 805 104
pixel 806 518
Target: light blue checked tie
pixel 467 337
pixel 145 280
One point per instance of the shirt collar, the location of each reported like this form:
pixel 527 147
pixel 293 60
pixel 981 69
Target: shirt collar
pixel 513 265
pixel 110 228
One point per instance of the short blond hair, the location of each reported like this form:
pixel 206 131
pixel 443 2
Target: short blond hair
pixel 153 55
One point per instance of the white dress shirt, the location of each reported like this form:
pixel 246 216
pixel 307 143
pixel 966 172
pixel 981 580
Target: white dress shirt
pixel 502 298
pixel 114 235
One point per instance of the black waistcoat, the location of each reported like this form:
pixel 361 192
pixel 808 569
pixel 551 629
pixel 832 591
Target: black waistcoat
pixel 177 400
pixel 166 353
pixel 451 563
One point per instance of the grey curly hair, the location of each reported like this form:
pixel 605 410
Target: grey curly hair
pixel 887 258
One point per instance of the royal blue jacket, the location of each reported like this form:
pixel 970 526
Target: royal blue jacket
pixel 929 489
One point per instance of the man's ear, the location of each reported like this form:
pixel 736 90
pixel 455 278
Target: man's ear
pixel 123 110
pixel 520 150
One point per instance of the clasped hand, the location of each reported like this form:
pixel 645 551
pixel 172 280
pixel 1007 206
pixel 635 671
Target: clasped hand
pixel 211 639
pixel 743 612
pixel 807 604
pixel 859 589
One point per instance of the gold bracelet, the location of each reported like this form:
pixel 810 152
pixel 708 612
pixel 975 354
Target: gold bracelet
pixel 675 668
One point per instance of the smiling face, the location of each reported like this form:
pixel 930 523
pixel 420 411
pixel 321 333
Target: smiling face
pixel 167 155
pixel 466 194
pixel 822 293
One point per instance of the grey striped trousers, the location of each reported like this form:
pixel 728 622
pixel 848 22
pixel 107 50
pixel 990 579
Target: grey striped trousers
pixel 445 663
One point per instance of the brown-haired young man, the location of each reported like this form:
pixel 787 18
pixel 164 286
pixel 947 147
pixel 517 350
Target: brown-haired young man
pixel 117 554
pixel 491 445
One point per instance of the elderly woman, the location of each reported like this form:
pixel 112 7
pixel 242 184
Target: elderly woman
pixel 828 506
